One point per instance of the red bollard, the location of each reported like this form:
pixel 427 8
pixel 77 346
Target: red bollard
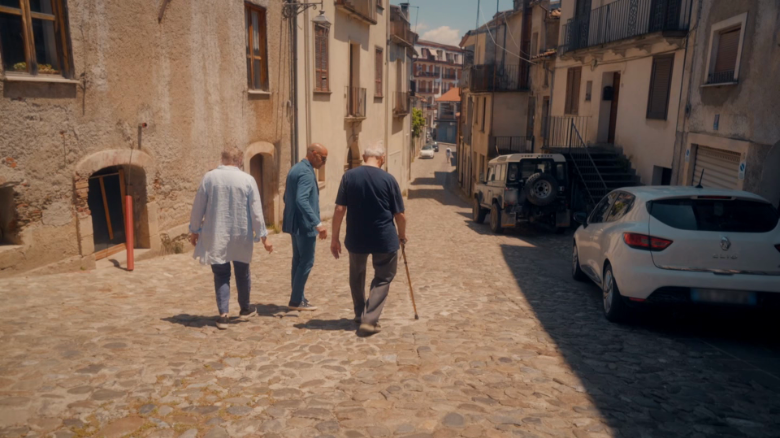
pixel 129 232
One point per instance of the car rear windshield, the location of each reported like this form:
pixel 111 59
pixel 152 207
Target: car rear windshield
pixel 715 215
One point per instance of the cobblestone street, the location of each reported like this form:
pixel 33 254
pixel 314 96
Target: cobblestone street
pixel 506 345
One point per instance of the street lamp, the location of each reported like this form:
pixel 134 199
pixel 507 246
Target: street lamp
pixel 292 8
pixel 321 19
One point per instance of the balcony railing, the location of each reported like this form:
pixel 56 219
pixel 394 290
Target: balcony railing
pixel 356 103
pixel 491 77
pixel 402 103
pixel 507 145
pixel 721 77
pixel 624 19
pixel 363 9
pixel 426 74
pixel 451 77
pixel 402 33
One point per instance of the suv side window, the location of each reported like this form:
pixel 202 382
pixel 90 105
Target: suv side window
pixel 491 173
pixel 502 173
pixel 623 204
pixel 602 209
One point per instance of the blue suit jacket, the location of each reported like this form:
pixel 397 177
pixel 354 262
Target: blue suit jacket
pixel 301 201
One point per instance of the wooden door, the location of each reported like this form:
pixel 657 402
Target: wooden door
pixel 614 107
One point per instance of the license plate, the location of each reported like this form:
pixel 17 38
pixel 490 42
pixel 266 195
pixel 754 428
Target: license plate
pixel 724 296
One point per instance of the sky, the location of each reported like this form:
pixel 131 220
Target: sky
pixel 446 21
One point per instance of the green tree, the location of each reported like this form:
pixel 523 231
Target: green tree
pixel 418 122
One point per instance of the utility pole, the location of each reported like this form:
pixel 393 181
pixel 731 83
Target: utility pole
pixel 477 25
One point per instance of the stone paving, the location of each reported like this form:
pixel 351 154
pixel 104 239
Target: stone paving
pixel 506 345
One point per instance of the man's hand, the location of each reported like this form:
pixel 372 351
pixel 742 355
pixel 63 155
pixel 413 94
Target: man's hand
pixel 268 246
pixel 335 248
pixel 194 239
pixel 403 240
pixel 323 232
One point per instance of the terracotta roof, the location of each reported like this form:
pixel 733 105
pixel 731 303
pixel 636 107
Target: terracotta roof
pixel 451 96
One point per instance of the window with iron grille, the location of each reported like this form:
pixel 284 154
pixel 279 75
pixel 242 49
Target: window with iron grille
pixel 256 50
pixel 660 86
pixel 34 37
pixel 725 46
pixel 379 68
pixel 321 79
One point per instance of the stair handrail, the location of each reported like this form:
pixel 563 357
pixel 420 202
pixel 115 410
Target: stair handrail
pixel 593 163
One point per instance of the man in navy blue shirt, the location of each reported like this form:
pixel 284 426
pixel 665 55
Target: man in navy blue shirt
pixel 371 200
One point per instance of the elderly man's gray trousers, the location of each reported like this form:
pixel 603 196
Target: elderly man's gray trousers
pixel 385 266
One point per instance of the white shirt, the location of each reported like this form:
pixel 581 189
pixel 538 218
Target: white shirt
pixel 228 216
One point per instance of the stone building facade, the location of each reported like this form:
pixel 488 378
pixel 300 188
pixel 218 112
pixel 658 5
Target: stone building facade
pixel 728 134
pixel 106 98
pixel 353 89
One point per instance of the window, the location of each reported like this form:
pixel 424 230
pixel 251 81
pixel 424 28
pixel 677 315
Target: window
pixel 588 90
pixel 379 66
pixel 602 209
pixel 491 173
pixel 725 50
pixel 256 59
pixel 660 85
pixel 725 216
pixel 623 203
pixel 484 106
pixel 321 42
pixel 379 4
pixel 573 77
pixel 34 37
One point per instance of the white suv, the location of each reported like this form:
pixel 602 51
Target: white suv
pixel 679 244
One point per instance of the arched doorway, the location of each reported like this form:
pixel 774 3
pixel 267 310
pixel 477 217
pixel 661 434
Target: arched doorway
pixel 101 181
pixel 260 162
pixel 106 200
pixel 353 157
pixel 256 165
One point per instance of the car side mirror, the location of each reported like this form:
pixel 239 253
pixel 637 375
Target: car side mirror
pixel 581 218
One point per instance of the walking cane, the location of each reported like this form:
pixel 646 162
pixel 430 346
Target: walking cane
pixel 409 277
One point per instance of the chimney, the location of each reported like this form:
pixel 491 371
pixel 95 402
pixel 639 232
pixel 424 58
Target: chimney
pixel 405 9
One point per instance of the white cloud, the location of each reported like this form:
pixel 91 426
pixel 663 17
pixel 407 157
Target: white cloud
pixel 421 27
pixel 443 35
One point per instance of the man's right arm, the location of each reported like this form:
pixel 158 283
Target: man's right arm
pixel 400 221
pixel 338 217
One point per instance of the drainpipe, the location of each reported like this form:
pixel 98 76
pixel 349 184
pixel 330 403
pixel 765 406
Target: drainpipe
pixel 307 74
pixel 680 153
pixel 386 91
pixel 294 88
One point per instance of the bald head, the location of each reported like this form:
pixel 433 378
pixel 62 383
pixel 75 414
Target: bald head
pixel 317 155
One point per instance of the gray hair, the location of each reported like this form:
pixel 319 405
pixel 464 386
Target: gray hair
pixel 374 150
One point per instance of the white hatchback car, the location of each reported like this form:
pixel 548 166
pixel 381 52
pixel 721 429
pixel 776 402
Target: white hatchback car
pixel 427 151
pixel 679 244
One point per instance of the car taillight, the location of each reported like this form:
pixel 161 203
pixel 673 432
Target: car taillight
pixel 643 241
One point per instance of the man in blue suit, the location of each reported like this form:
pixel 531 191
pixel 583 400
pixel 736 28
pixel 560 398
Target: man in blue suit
pixel 302 220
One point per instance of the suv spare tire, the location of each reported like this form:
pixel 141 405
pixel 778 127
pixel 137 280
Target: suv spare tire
pixel 541 189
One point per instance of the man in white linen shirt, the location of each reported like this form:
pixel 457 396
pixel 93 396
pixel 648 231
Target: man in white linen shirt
pixel 226 220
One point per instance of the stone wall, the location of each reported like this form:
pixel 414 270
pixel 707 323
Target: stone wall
pixel 183 77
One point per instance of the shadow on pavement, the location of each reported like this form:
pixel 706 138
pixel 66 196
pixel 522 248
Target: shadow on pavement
pixel 198 321
pixel 270 310
pixel 342 324
pixel 443 190
pixel 664 374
